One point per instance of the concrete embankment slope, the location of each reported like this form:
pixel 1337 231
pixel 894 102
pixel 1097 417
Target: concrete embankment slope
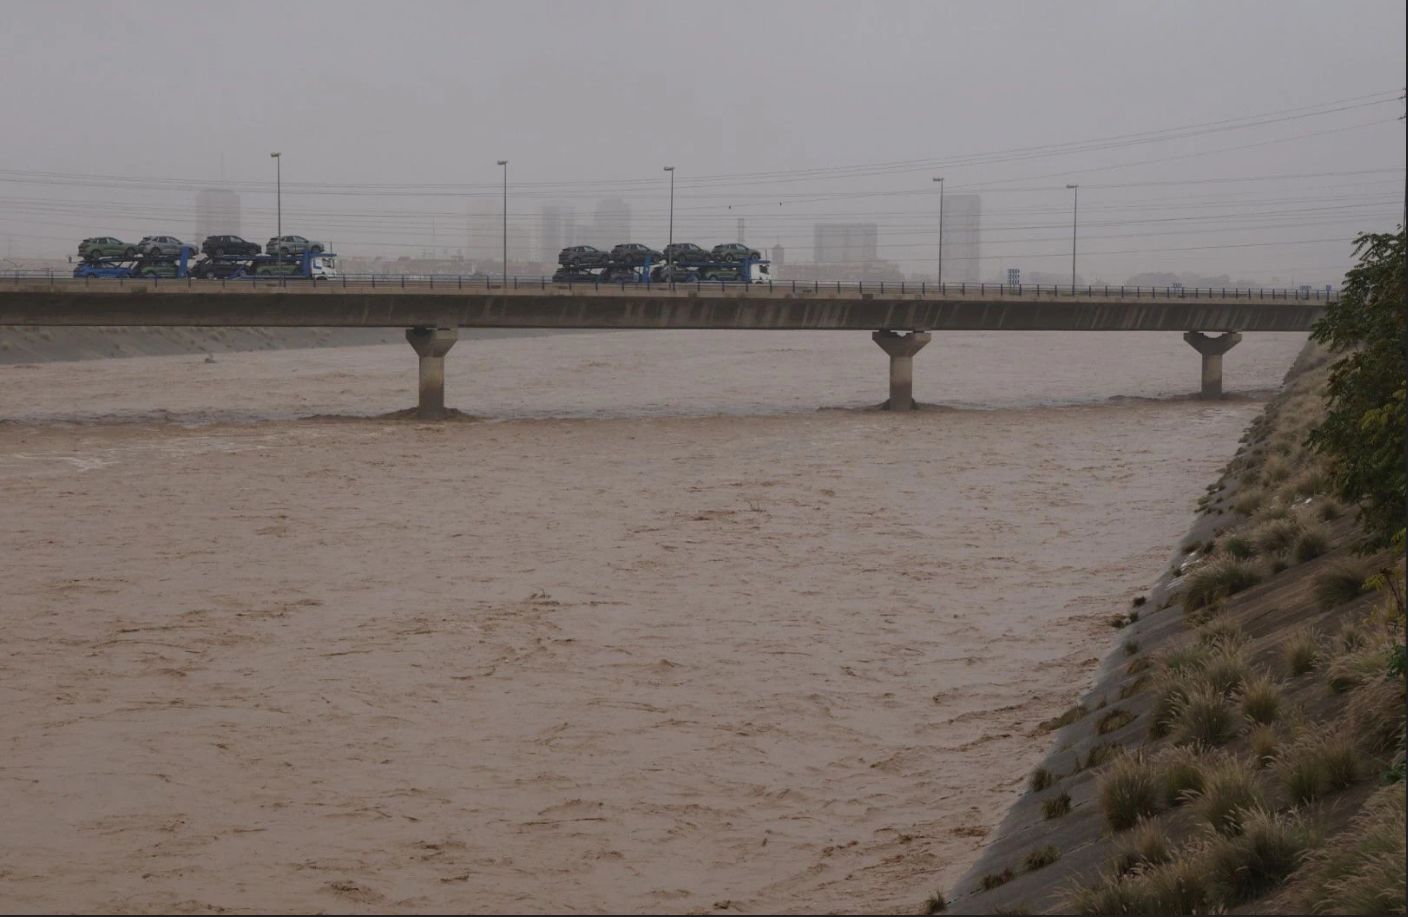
pixel 1267 591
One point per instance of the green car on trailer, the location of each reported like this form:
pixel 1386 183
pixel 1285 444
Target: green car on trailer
pixel 100 247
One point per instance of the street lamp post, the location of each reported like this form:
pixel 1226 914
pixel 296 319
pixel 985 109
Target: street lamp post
pixel 504 163
pixel 669 248
pixel 941 231
pixel 1075 209
pixel 278 194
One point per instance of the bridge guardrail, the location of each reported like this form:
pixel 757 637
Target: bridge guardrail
pixel 904 288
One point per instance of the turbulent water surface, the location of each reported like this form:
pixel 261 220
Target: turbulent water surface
pixel 679 623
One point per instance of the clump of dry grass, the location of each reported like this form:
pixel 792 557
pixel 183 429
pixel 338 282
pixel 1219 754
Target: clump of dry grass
pixel 1222 636
pixel 1338 586
pixel 1056 806
pixel 1071 715
pixel 1218 579
pixel 1317 765
pixel 1376 712
pixel 1041 857
pixel 1275 536
pixel 1225 672
pixel 1231 788
pixel 1204 718
pixel 1301 652
pixel 1180 775
pixel 996 879
pixel 1308 483
pixel 1100 753
pixel 1310 545
pixel 1115 718
pixel 1107 895
pixel 1360 871
pixel 1362 664
pixel 1147 844
pixel 1260 699
pixel 1265 742
pixel 1329 511
pixel 1249 500
pixel 1176 886
pixel 1249 864
pixel 1128 792
pixel 1041 779
pixel 936 903
pixel 1238 547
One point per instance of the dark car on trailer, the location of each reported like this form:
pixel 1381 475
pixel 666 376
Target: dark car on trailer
pixel 229 247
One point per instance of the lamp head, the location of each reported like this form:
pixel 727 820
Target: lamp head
pixel 503 162
pixel 275 155
pixel 1072 187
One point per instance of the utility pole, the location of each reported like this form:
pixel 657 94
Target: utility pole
pixel 504 163
pixel 941 231
pixel 1075 209
pixel 279 200
pixel 670 256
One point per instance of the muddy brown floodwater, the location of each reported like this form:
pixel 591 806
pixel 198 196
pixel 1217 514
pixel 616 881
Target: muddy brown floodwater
pixel 681 624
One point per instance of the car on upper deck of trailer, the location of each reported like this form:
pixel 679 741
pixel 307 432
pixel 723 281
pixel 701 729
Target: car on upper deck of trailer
pixel 99 247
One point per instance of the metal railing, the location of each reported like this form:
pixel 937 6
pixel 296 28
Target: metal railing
pixel 470 283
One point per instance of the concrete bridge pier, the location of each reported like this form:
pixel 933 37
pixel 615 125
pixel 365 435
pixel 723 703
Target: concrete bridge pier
pixel 901 348
pixel 431 344
pixel 1212 349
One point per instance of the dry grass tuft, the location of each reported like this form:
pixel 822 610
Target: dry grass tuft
pixel 1231 788
pixel 1056 806
pixel 1260 699
pixel 1318 765
pixel 1044 856
pixel 1275 536
pixel 996 879
pixel 1146 845
pixel 1249 864
pixel 1265 742
pixel 1218 579
pixel 1128 792
pixel 1071 715
pixel 1180 775
pixel 1310 545
pixel 936 904
pixel 1238 547
pixel 1205 719
pixel 1335 587
pixel 1360 871
pixel 1376 713
pixel 1301 653
pixel 1116 718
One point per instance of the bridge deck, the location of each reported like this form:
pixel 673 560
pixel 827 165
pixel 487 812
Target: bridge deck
pixel 445 304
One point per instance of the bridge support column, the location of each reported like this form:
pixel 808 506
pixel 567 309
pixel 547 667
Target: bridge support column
pixel 1212 349
pixel 901 348
pixel 431 344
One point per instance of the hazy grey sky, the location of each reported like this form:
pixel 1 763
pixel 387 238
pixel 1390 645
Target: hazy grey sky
pixel 591 99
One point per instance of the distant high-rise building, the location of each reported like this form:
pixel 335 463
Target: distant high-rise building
pixel 1014 277
pixel 844 243
pixel 613 223
pixel 217 213
pixel 779 257
pixel 962 228
pixel 552 235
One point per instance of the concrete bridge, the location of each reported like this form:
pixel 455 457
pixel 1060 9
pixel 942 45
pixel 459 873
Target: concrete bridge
pixel 901 317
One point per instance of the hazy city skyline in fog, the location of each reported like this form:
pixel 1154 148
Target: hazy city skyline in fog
pixel 1248 139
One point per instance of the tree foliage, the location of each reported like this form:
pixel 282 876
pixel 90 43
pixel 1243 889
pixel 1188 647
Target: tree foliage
pixel 1362 433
